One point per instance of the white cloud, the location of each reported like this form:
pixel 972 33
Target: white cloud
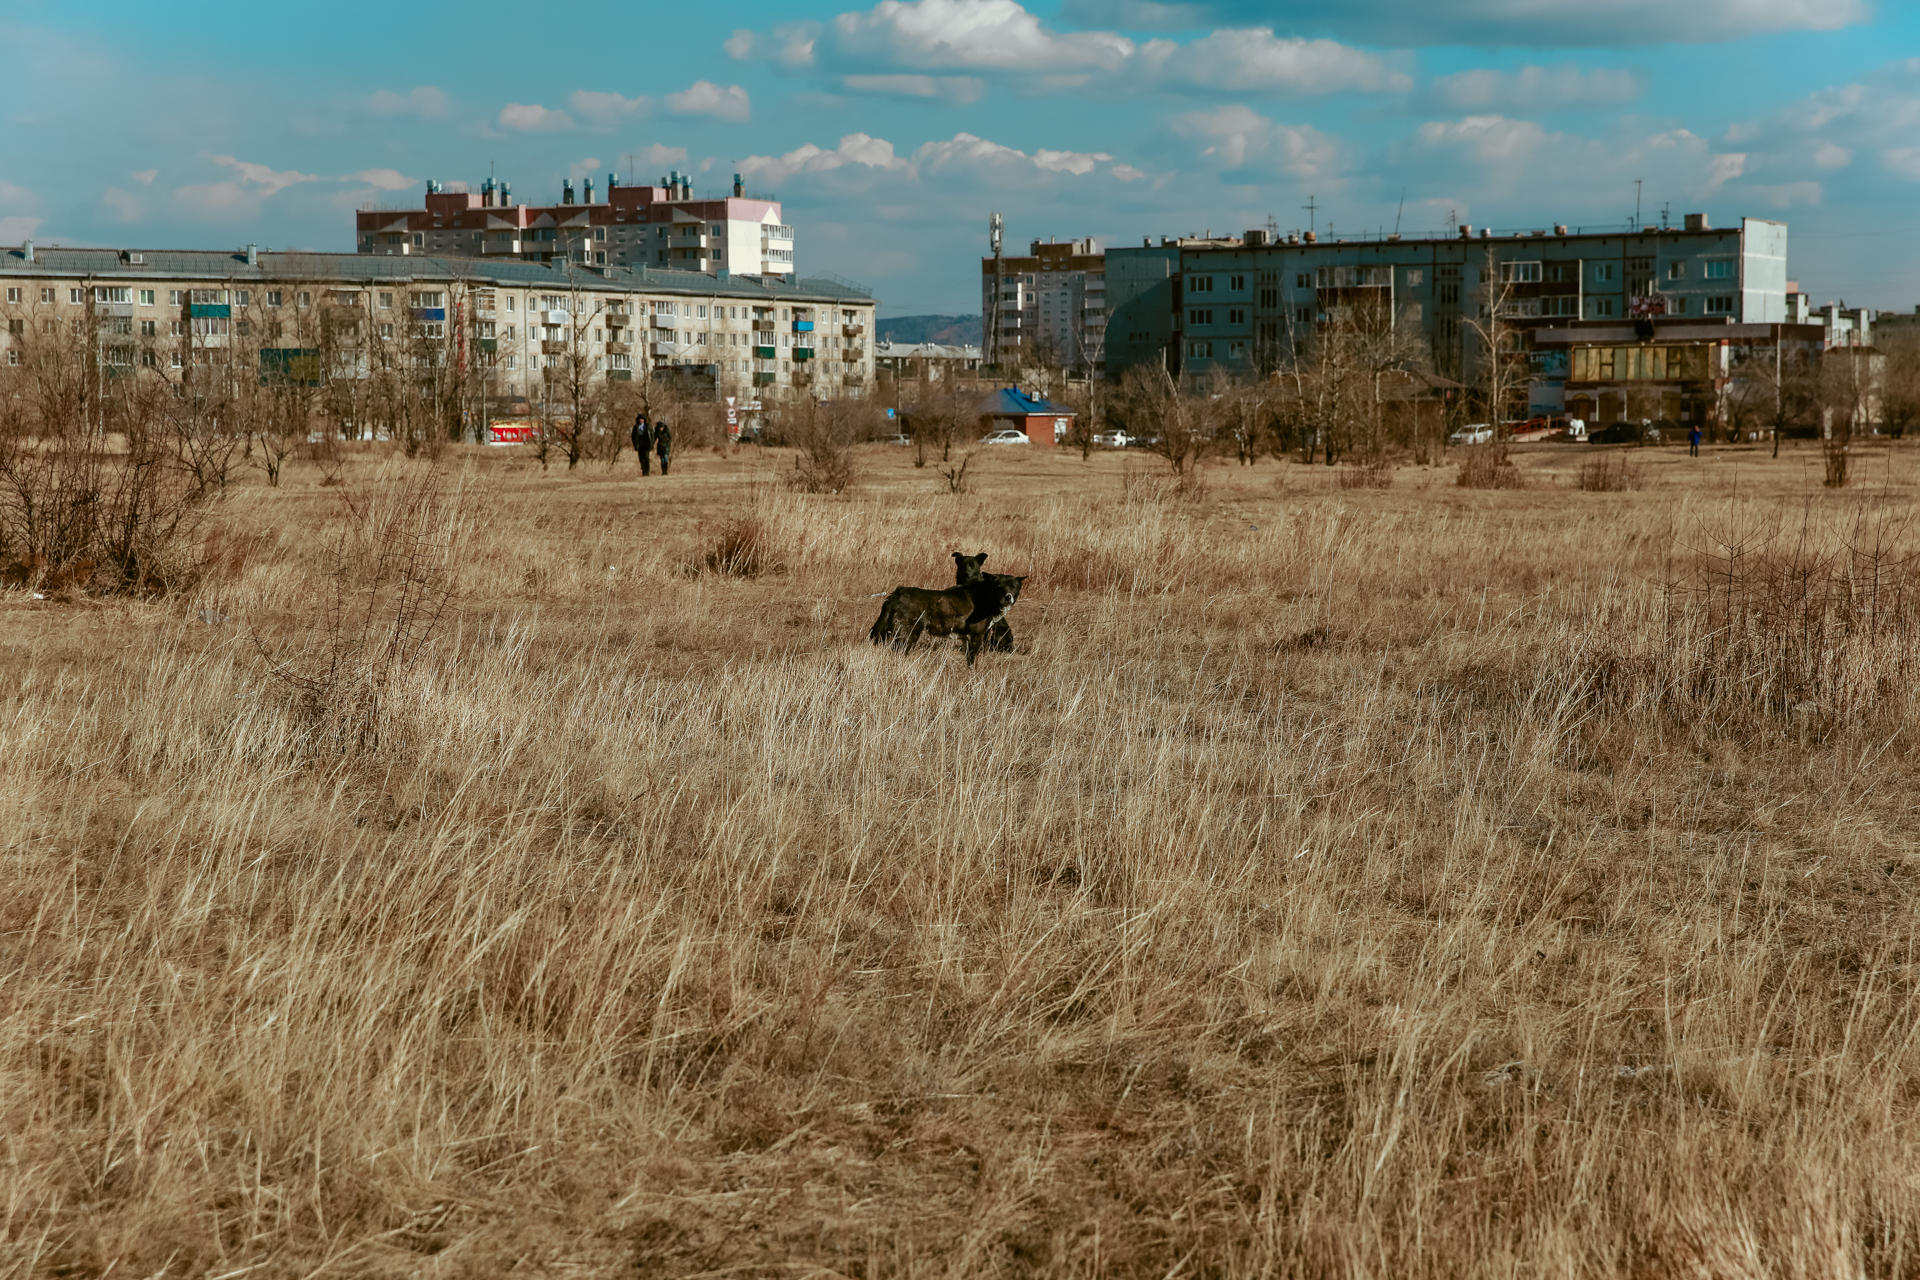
pixel 144 177
pixel 123 204
pixel 382 179
pixel 1556 87
pixel 1250 147
pixel 531 117
pixel 659 154
pixel 705 98
pixel 605 110
pixel 1257 61
pixel 894 40
pixel 19 216
pixel 425 101
pixel 956 89
pixel 242 194
pixel 856 150
pixel 1509 23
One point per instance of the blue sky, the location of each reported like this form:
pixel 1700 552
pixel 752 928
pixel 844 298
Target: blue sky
pixel 891 130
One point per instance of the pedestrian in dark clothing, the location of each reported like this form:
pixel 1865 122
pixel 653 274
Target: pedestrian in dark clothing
pixel 663 443
pixel 643 443
pixel 1693 443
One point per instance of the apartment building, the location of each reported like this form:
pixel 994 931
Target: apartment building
pixel 519 325
pixel 1048 307
pixel 658 227
pixel 1244 304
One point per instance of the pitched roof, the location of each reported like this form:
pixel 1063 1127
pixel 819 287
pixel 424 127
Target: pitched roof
pixel 1011 402
pixel 365 268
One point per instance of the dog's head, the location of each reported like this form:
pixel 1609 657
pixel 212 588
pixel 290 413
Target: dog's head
pixel 966 568
pixel 1009 587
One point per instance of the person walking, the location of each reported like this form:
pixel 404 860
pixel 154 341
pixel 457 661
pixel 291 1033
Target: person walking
pixel 1693 443
pixel 663 443
pixel 643 443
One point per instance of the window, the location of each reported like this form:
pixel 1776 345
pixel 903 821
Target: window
pixel 1720 305
pixel 1602 307
pixel 434 329
pixel 243 297
pixel 17 327
pixel 1678 270
pixel 428 299
pixel 1200 284
pixel 419 239
pixel 112 295
pixel 1676 306
pixel 176 329
pixel 386 332
pixel 512 302
pixel 1520 272
pixel 1236 315
pixel 208 297
pixel 303 299
pixel 148 328
pixel 1415 277
pixel 1603 272
pixel 173 361
pixel 13 296
pixel 46 295
pixel 1302 281
pixel 599 233
pixel 1303 315
pixel 1722 269
pixel 1555 273
pixel 146 297
pixel 242 328
pixel 1236 283
pixel 1200 315
pixel 73 295
pixel 1566 305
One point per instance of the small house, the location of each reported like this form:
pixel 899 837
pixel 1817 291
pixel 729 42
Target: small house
pixel 1038 418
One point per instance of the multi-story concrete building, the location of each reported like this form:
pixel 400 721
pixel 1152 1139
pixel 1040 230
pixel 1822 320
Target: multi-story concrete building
pixel 517 324
pixel 1049 307
pixel 1246 304
pixel 661 226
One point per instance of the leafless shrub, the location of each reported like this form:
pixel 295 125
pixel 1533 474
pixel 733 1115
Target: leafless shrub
pixel 1608 473
pixel 825 435
pixel 390 579
pixel 955 473
pixel 1487 466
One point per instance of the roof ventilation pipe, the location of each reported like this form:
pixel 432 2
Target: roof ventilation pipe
pixel 587 195
pixel 566 191
pixel 253 255
pixel 1559 228
pixel 739 185
pixel 1466 231
pixel 26 251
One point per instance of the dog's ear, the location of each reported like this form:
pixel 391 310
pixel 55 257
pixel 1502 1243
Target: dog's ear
pixel 981 558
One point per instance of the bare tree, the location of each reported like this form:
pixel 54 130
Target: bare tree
pixel 940 416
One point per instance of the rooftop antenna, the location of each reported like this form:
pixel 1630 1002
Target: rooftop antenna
pixel 1666 214
pixel 1636 203
pixel 1310 206
pixel 1397 212
pixel 1273 227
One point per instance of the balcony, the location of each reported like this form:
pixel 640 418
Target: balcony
pixel 486 346
pixel 663 322
pixel 803 353
pixel 661 349
pixel 553 348
pixel 619 349
pixel 765 353
pixel 853 330
pixel 764 379
pixel 763 326
pixel 499 246
pixel 692 240
pixel 803 326
pixel 615 319
pixel 198 310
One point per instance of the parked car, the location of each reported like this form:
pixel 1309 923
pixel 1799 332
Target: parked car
pixel 1472 433
pixel 1112 439
pixel 1615 433
pixel 1142 442
pixel 1007 435
pixel 899 439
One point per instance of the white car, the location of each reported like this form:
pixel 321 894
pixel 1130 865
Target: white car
pixel 1472 433
pixel 1112 439
pixel 1006 435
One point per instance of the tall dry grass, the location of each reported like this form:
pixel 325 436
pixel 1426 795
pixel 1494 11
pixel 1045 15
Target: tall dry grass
pixel 1345 883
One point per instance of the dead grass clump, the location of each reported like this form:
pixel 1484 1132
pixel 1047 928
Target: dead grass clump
pixel 1608 473
pixel 1373 476
pixel 744 547
pixel 1487 466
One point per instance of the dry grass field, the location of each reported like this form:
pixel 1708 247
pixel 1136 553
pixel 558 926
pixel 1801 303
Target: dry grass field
pixel 1339 881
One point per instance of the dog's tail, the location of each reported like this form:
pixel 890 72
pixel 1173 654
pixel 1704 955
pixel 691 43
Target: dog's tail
pixel 884 626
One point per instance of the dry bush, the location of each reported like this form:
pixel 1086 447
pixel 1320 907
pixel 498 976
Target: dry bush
pixel 389 579
pixel 1608 473
pixel 1487 466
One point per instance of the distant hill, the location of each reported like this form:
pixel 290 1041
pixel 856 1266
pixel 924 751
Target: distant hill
pixel 961 331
